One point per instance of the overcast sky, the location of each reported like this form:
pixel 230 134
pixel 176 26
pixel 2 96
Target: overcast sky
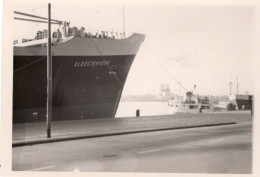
pixel 206 45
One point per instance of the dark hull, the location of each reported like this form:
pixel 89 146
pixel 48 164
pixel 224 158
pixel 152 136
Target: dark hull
pixel 87 79
pixel 84 87
pixel 242 104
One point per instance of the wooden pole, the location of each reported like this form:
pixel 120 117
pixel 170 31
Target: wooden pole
pixel 49 76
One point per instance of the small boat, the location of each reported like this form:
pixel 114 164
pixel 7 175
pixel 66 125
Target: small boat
pixel 190 103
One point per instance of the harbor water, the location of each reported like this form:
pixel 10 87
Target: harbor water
pixel 128 109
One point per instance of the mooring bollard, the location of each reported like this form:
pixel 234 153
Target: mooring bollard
pixel 137 113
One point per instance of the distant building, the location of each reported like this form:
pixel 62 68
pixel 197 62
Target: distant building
pixel 165 93
pixel 165 88
pixel 214 100
pixel 223 98
pixel 147 97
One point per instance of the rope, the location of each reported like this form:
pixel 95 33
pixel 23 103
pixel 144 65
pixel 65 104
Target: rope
pixel 173 78
pixel 29 64
pixel 155 58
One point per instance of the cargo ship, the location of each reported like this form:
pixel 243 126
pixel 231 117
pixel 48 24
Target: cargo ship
pixel 241 102
pixel 88 74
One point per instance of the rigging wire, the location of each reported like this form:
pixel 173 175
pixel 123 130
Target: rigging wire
pixel 173 78
pixel 27 65
pixel 105 60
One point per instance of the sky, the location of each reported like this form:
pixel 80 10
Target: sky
pixel 203 44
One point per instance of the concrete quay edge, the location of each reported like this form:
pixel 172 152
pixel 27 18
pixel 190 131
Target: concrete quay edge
pixel 122 132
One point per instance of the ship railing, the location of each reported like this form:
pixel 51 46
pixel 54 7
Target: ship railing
pixel 57 40
pixel 99 35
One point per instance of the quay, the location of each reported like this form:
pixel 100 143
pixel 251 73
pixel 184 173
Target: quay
pixel 35 133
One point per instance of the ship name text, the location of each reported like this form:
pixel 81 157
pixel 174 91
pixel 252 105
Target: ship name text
pixel 91 63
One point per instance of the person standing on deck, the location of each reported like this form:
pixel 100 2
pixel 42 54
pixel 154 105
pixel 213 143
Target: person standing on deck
pixel 59 35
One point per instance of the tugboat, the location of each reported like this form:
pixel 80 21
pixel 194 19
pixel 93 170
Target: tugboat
pixel 189 103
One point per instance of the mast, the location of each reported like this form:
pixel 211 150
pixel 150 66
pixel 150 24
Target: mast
pixel 230 87
pixel 180 87
pixel 237 85
pixel 124 18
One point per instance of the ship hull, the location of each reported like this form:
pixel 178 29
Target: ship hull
pixel 241 102
pixel 84 86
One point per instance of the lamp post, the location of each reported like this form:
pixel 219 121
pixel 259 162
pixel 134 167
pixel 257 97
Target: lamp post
pixel 49 76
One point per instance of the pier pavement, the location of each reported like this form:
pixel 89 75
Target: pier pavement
pixel 35 133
